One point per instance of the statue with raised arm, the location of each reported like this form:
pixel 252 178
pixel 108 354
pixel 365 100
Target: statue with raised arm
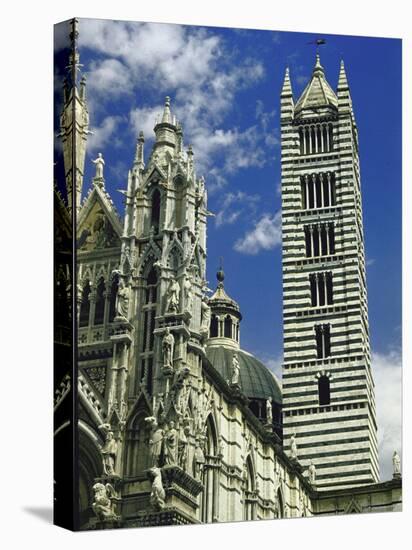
pixel 396 461
pixel 99 162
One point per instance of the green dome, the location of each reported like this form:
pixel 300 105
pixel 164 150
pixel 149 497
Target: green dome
pixel 256 380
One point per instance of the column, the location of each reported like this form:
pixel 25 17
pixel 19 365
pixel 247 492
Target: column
pixel 329 189
pixel 312 243
pixel 315 195
pixel 325 288
pixel 317 289
pixel 307 206
pixel 322 198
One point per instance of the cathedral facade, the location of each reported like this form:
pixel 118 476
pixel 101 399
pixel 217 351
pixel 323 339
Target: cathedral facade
pixel 176 423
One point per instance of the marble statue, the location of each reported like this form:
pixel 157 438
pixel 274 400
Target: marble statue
pixel 109 452
pixel 157 494
pixel 235 370
pixel 170 445
pixel 123 300
pixel 396 461
pixel 173 298
pixel 312 472
pixel 188 293
pixel 155 441
pixel 182 447
pixel 199 459
pixel 293 447
pixel 269 415
pixel 99 162
pixel 168 344
pixel 205 316
pixel 103 505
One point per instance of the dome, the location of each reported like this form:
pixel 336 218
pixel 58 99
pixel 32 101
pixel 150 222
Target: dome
pixel 256 380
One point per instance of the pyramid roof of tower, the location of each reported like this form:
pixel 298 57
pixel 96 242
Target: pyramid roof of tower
pixel 318 92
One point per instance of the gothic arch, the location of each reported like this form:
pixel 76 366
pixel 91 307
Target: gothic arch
pixel 137 444
pixel 90 467
pixel 151 254
pixel 208 503
pixel 249 487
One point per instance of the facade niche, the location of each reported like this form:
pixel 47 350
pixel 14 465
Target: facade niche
pixel 113 298
pixel 228 327
pixel 155 212
pixel 100 302
pixel 318 190
pixel 85 305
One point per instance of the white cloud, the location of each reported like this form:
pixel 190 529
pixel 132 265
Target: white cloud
pixel 266 235
pixel 387 369
pixel 370 261
pixel 102 134
pixel 233 205
pixel 203 77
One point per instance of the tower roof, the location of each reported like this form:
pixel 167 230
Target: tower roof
pixel 318 93
pixel 220 299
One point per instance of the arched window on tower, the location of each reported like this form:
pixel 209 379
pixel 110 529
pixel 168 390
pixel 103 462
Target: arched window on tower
pixel 210 489
pixel 113 297
pixel 214 327
pixel 155 216
pixel 324 390
pixel 250 487
pixel 100 302
pixel 85 304
pixel 228 327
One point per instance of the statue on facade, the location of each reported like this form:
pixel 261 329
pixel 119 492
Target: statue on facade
pixel 293 448
pixel 155 441
pixel 182 447
pixel 199 458
pixel 173 298
pixel 109 452
pixel 235 371
pixel 157 494
pixel 205 317
pixel 168 344
pixel 312 473
pixel 188 293
pixel 171 445
pixel 103 504
pixel 396 461
pixel 269 414
pixel 99 162
pixel 122 305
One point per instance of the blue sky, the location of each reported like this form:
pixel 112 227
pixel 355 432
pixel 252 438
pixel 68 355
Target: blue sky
pixel 225 86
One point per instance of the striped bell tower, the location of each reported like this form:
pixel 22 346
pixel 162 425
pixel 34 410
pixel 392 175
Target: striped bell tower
pixel 328 388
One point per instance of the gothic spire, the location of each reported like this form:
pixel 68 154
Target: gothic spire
pixel 287 86
pixel 167 117
pixel 138 163
pixel 343 81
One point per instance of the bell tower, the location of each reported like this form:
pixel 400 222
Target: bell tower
pixel 328 388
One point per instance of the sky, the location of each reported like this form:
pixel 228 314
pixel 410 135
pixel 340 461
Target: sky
pixel 225 88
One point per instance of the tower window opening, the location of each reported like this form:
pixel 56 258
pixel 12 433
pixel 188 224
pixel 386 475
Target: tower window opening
pixel 321 290
pixel 228 327
pixel 214 327
pixel 324 390
pixel 319 240
pixel 322 335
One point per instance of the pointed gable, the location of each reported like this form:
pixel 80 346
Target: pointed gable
pixel 99 226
